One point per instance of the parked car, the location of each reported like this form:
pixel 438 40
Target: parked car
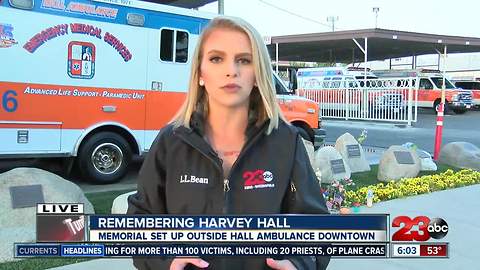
pixel 474 86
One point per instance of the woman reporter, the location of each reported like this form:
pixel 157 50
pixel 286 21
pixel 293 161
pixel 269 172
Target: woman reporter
pixel 228 150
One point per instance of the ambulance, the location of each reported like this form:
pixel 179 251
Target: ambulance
pixel 94 81
pixel 429 83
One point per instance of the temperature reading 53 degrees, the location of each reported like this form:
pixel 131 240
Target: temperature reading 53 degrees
pixel 433 250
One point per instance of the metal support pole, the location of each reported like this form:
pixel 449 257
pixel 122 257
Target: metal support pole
pixel 440 112
pixel 221 7
pixel 438 61
pixel 365 94
pixel 276 58
pixel 365 60
pixel 410 102
pixel 353 57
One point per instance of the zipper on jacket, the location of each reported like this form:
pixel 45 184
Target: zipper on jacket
pixel 226 189
pixel 292 187
pixel 226 181
pixel 226 186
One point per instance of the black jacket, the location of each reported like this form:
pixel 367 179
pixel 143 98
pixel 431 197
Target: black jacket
pixel 183 175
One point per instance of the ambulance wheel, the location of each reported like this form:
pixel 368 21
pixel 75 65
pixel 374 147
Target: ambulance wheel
pixel 304 134
pixel 436 106
pixel 104 158
pixel 460 111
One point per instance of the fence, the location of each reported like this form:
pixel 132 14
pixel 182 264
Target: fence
pixel 390 100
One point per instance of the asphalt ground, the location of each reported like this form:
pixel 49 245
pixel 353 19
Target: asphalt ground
pixel 457 127
pixel 463 127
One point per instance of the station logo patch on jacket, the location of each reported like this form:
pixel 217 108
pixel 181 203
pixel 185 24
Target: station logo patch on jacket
pixel 258 179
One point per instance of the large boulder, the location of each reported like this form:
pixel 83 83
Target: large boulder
pixel 120 204
pixel 330 163
pixel 398 162
pixel 426 161
pixel 19 224
pixel 310 151
pixel 356 160
pixel 461 155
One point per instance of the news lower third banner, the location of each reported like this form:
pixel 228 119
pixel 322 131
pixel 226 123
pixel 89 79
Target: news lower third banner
pixel 239 229
pixel 165 235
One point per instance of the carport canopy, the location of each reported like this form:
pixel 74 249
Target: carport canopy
pixel 344 46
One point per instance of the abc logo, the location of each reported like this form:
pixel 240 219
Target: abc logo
pixel 267 176
pixel 437 228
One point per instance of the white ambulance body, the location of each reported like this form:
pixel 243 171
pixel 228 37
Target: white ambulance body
pixel 94 81
pixel 332 77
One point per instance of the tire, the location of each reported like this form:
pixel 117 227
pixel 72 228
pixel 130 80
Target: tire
pixel 460 111
pixel 446 109
pixel 104 158
pixel 435 106
pixel 304 134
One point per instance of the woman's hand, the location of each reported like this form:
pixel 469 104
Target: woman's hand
pixel 280 264
pixel 180 263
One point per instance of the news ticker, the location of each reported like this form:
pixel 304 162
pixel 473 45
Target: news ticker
pixel 194 250
pixel 397 250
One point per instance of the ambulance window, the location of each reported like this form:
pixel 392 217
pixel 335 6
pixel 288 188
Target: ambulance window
pixel 438 81
pixel 464 85
pixel 181 53
pixel 166 45
pixel 468 85
pixel 425 84
pixel 280 88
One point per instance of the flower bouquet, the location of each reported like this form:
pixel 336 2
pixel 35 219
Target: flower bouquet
pixel 334 195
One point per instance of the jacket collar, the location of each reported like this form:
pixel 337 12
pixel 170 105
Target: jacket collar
pixel 194 136
pixel 197 125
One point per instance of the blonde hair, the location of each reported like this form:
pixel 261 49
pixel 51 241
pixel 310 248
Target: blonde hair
pixel 263 103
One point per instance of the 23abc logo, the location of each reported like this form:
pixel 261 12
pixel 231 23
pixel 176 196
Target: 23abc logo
pixel 435 228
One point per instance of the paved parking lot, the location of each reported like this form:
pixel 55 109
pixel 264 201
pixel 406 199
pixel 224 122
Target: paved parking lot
pixel 457 127
pixel 464 127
